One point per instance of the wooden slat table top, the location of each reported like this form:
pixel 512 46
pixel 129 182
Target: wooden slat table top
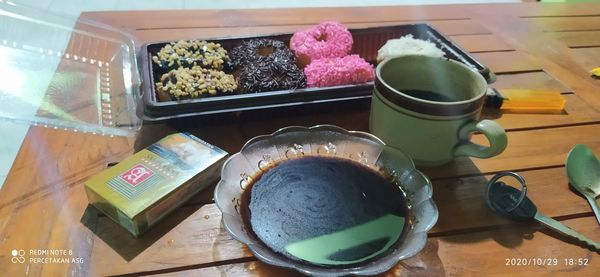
pixel 528 45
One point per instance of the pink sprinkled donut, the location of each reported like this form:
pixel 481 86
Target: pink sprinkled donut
pixel 326 40
pixel 326 72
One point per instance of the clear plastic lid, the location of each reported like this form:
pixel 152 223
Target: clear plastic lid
pixel 66 73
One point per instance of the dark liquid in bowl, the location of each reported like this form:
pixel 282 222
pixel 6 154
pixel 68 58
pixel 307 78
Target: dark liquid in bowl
pixel 313 203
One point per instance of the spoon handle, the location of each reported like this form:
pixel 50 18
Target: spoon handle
pixel 563 229
pixel 595 207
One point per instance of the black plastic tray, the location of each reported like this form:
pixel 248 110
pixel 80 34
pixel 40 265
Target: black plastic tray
pixel 366 43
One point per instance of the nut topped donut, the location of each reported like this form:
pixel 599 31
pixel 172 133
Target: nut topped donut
pixel 190 53
pixel 265 65
pixel 195 82
pixel 329 39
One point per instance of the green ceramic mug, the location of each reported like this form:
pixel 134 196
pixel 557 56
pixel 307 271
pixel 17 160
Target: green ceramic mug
pixel 429 107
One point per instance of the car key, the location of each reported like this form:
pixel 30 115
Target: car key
pixel 514 204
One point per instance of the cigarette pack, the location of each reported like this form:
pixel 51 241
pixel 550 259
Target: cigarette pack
pixel 144 188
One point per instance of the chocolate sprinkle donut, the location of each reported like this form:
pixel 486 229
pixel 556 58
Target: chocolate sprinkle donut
pixel 266 65
pixel 263 76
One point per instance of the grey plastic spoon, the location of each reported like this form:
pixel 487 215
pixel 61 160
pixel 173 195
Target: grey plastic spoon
pixel 583 169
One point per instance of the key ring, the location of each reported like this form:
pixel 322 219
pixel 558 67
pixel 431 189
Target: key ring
pixel 495 179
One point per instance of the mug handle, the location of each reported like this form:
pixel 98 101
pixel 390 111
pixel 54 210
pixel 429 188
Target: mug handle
pixel 494 133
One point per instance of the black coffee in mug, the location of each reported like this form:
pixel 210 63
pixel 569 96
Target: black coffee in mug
pixel 429 107
pixel 325 210
pixel 428 95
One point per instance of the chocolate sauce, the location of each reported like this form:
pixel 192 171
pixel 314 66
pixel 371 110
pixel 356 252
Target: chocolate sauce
pixel 298 206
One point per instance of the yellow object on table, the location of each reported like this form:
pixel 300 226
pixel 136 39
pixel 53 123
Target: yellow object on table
pixel 595 72
pixel 526 100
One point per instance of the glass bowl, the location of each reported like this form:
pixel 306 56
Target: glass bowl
pixel 331 141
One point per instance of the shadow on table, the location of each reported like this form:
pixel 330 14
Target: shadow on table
pixel 509 236
pixel 231 130
pixel 120 240
pixel 464 216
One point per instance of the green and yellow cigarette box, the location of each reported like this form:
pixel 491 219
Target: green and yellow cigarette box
pixel 144 188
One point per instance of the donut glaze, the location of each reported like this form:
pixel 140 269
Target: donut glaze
pixel 265 65
pixel 327 40
pixel 260 51
pixel 270 77
pixel 326 72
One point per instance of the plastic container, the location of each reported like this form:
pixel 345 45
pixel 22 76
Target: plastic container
pixel 89 84
pixel 366 43
pixel 92 84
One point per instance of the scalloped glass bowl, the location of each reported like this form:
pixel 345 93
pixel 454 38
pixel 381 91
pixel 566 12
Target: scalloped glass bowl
pixel 326 140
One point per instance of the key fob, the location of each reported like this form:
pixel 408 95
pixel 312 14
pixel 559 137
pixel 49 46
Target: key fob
pixel 504 200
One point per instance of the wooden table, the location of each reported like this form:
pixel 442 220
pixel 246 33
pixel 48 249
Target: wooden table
pixel 43 205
